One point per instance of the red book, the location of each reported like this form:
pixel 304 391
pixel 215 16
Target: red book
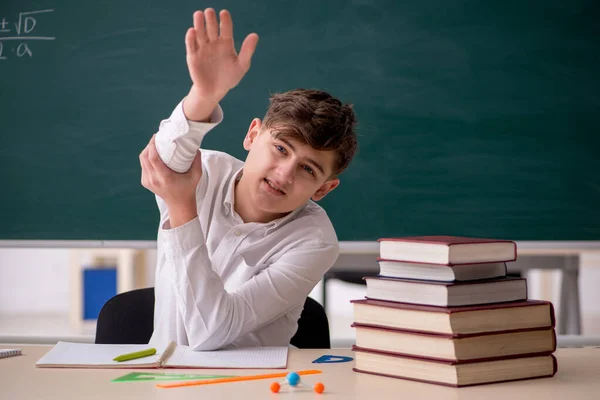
pixel 438 272
pixel 447 250
pixel 455 321
pixel 447 347
pixel 445 294
pixel 454 373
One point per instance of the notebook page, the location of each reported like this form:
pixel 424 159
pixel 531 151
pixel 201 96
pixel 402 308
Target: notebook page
pixel 88 354
pixel 249 357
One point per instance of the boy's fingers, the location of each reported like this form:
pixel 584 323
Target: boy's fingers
pixel 199 27
pixel 145 163
pixel 190 41
pixel 212 28
pixel 143 155
pixel 226 26
pixel 155 160
pixel 247 50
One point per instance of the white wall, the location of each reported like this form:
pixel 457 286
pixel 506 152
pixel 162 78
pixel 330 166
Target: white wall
pixel 34 280
pixel 37 281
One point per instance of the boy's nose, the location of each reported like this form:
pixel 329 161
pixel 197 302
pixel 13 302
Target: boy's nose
pixel 286 172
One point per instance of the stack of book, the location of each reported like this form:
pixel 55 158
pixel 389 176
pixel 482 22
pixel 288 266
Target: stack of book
pixel 443 310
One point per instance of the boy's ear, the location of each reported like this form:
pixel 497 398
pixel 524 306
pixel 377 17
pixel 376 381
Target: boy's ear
pixel 253 131
pixel 325 188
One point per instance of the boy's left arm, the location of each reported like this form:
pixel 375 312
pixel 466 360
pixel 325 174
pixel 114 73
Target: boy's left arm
pixel 213 317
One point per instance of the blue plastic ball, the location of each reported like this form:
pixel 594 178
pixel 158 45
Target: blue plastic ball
pixel 293 378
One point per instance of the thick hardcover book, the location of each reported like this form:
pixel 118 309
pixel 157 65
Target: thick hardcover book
pixel 445 294
pixel 455 321
pixel 453 373
pixel 477 346
pixel 447 250
pixel 438 272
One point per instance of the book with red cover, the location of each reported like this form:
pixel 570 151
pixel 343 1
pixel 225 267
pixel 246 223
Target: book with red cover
pixel 454 373
pixel 447 250
pixel 455 321
pixel 440 272
pixel 446 294
pixel 448 347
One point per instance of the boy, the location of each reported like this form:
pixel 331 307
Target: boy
pixel 240 245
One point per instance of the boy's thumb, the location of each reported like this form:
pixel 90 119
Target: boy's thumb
pixel 197 160
pixel 196 166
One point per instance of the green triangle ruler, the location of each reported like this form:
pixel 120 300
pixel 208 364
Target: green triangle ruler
pixel 158 376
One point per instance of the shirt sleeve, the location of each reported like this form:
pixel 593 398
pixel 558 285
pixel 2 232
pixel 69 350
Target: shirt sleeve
pixel 213 317
pixel 178 139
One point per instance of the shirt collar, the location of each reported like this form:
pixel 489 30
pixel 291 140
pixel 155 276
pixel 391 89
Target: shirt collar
pixel 229 200
pixel 281 221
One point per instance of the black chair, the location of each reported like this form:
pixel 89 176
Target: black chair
pixel 128 318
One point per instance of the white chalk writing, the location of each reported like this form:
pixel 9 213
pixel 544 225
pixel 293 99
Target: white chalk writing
pixel 22 33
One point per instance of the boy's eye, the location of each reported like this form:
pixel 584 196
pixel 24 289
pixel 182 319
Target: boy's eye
pixel 309 170
pixel 280 148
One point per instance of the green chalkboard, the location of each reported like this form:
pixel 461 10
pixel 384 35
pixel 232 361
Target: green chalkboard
pixel 475 117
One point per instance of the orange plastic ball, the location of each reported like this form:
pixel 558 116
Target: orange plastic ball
pixel 319 387
pixel 275 387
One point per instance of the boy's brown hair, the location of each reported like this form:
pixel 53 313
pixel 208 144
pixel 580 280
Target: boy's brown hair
pixel 316 118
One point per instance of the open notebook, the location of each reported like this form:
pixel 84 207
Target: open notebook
pixel 85 355
pixel 9 352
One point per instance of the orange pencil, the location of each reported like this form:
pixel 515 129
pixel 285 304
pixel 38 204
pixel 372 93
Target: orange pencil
pixel 235 379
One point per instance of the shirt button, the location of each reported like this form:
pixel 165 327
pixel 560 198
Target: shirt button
pixel 237 232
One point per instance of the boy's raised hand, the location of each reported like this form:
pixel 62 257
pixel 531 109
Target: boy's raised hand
pixel 213 63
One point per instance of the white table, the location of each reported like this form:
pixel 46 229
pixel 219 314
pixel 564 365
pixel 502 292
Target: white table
pixel 578 377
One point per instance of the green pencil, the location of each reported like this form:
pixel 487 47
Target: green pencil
pixel 135 354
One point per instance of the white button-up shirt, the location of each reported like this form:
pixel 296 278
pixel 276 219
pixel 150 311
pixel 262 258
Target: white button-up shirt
pixel 221 282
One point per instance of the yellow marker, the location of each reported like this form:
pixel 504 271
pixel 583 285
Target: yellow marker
pixel 135 355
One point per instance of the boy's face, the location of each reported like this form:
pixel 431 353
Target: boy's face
pixel 281 174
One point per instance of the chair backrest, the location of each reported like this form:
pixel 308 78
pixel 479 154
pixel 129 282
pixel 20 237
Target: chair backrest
pixel 128 318
pixel 313 327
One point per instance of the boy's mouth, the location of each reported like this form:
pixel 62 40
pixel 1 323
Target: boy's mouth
pixel 274 187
